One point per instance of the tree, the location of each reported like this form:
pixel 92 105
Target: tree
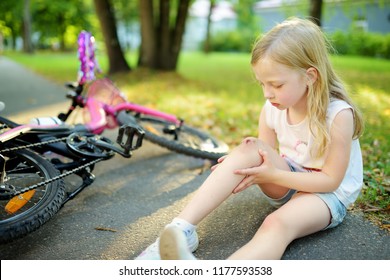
pixel 207 41
pixel 161 33
pixel 315 11
pixel 116 58
pixel 57 19
pixel 10 14
pixel 127 16
pixel 245 15
pixel 27 44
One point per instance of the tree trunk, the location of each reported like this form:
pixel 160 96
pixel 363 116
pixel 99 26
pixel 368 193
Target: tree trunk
pixel 207 41
pixel 164 36
pixel 160 42
pixel 27 44
pixel 116 58
pixel 147 54
pixel 62 30
pixel 178 33
pixel 315 11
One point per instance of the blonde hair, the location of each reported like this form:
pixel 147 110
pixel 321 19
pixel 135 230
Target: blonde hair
pixel 300 44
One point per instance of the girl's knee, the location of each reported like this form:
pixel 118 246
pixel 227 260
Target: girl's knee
pixel 248 149
pixel 273 223
pixel 250 141
pixel 251 144
pixel 246 154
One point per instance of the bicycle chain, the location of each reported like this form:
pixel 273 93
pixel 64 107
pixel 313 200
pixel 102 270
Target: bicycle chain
pixel 34 145
pixel 35 186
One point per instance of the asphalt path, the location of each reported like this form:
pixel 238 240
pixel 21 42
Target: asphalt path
pixel 131 200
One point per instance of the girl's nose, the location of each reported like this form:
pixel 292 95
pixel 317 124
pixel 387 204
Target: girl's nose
pixel 267 93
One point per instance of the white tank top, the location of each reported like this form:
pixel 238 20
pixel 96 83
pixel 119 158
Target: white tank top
pixel 296 142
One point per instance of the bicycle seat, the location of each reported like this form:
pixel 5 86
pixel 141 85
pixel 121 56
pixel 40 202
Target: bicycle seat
pixel 63 128
pixel 59 128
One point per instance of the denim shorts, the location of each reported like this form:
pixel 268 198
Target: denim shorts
pixel 337 209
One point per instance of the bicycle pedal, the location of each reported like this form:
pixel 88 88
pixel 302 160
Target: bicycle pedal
pixel 134 134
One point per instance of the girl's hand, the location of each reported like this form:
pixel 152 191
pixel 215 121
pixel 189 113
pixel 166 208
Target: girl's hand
pixel 220 160
pixel 256 175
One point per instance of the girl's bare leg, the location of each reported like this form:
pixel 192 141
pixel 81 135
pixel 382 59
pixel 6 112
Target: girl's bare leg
pixel 222 181
pixel 304 214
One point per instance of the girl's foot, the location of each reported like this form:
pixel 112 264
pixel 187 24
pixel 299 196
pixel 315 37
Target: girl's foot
pixel 153 253
pixel 173 245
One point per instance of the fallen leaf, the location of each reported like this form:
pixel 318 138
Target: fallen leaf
pixel 105 229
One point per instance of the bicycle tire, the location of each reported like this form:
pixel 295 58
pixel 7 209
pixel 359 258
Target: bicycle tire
pixel 22 168
pixel 190 141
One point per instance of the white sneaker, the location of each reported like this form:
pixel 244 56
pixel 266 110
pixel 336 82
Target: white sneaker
pixel 152 252
pixel 173 245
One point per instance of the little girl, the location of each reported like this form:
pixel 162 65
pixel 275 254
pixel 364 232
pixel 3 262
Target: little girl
pixel 306 160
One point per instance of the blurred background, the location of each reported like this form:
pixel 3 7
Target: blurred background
pixel 165 27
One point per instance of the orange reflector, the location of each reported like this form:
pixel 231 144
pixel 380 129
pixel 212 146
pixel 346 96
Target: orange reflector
pixel 151 129
pixel 18 202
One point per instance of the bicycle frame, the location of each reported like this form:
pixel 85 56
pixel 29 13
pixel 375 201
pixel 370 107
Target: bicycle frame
pixel 25 128
pixel 99 111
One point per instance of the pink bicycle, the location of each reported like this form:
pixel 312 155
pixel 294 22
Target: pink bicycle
pixel 105 107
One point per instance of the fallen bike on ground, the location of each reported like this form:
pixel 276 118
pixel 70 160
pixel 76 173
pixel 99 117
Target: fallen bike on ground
pixel 35 158
pixel 32 187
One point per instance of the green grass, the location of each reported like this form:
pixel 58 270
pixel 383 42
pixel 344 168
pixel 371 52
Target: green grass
pixel 217 92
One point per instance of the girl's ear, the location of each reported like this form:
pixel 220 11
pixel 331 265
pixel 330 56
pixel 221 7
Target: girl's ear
pixel 312 75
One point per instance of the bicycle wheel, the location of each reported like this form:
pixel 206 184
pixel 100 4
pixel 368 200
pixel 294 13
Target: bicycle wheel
pixel 186 140
pixel 27 212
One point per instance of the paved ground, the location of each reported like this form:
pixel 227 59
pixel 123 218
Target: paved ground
pixel 136 197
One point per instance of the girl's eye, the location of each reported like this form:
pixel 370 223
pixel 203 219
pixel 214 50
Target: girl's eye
pixel 278 86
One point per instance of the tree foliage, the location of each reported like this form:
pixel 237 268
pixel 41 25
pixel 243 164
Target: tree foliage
pixel 245 15
pixel 51 21
pixel 10 15
pixel 54 18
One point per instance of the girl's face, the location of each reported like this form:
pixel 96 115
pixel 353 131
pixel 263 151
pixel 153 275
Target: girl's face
pixel 284 87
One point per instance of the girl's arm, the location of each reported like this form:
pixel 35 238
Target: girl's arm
pixel 332 172
pixel 335 166
pixel 266 134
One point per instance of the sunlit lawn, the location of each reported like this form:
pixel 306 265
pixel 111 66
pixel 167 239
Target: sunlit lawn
pixel 217 92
